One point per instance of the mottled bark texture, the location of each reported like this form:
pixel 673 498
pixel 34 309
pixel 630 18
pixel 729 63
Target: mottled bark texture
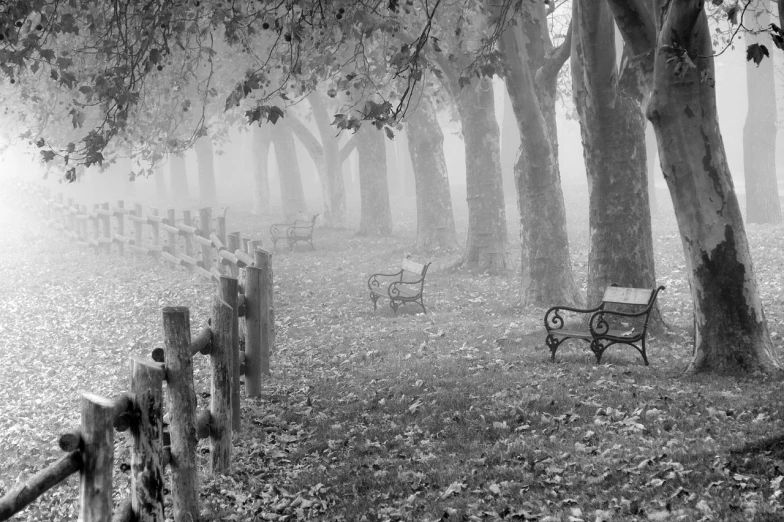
pixel 759 132
pixel 206 165
pixel 435 218
pixel 652 155
pixel 330 167
pixel 375 217
pixel 260 140
pixel 486 243
pixel 532 68
pixel 731 334
pixel 613 135
pixel 292 194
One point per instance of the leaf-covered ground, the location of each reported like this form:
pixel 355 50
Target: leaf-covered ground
pixel 454 415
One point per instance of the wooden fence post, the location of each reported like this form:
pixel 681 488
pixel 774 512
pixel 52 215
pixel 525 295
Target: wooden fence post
pixel 186 220
pixel 264 261
pixel 182 409
pixel 120 215
pixel 95 488
pixel 107 229
pixel 156 234
pixel 205 219
pixel 147 458
pixel 255 329
pixel 232 245
pixel 228 293
pixel 171 218
pixel 138 237
pixel 221 387
pixel 220 232
pixel 96 229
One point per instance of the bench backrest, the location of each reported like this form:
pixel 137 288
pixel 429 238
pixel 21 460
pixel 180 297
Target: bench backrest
pixel 629 296
pixel 413 271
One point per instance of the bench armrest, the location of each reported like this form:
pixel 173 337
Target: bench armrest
pixel 376 281
pixel 291 231
pixel 599 326
pixel 554 321
pixel 394 291
pixel 279 229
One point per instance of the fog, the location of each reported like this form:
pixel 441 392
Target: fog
pixel 234 166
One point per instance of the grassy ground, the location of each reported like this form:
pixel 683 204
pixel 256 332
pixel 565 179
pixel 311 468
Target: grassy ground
pixel 454 415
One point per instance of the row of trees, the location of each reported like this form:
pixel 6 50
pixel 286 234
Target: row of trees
pixel 197 67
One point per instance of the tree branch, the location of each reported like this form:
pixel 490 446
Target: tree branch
pixel 308 139
pixel 348 148
pixel 556 59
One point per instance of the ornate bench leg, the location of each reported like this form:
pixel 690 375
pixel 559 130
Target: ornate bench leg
pixel 374 298
pixel 552 342
pixel 421 303
pixel 394 305
pixel 598 350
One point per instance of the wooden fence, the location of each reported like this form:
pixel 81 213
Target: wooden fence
pixel 90 449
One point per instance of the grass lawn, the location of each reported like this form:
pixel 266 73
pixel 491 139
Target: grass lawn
pixel 457 414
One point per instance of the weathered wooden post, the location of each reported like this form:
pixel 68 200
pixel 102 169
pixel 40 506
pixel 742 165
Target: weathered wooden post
pixel 71 216
pixel 138 224
pixel 232 245
pixel 186 220
pixel 255 329
pixel 205 220
pixel 182 409
pixel 95 487
pixel 220 233
pixel 156 233
pixel 119 214
pixel 228 287
pixel 96 228
pixel 171 218
pixel 264 261
pixel 106 224
pixel 147 458
pixel 221 387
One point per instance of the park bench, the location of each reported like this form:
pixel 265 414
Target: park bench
pixel 299 229
pixel 404 286
pixel 605 327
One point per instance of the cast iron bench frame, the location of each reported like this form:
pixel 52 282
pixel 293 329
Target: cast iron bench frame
pixel 598 333
pixel 404 286
pixel 299 230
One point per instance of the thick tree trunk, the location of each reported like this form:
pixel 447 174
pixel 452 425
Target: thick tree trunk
pixel 161 192
pixel 547 276
pixel 292 194
pixel 613 135
pixel 406 174
pixel 205 161
pixel 331 169
pixel 652 154
pixel 731 334
pixel 435 218
pixel 260 139
pixel 178 177
pixel 375 214
pixel 486 244
pixel 759 132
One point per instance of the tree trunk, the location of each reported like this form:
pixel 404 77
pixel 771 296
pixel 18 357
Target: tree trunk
pixel 613 135
pixel 547 276
pixel 435 219
pixel 731 334
pixel 161 192
pixel 759 132
pixel 178 177
pixel 651 153
pixel 331 169
pixel 292 195
pixel 375 214
pixel 486 244
pixel 205 161
pixel 260 148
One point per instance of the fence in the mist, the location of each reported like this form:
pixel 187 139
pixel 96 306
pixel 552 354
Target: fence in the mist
pixel 90 449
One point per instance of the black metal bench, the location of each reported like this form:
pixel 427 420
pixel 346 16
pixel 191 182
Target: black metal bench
pixel 401 287
pixel 606 327
pixel 301 229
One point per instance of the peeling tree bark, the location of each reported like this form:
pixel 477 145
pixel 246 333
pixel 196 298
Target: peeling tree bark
pixel 435 218
pixel 261 146
pixel 292 194
pixel 613 135
pixel 532 69
pixel 759 132
pixel 731 335
pixel 375 213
